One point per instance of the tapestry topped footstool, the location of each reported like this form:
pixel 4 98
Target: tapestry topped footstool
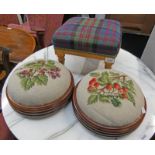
pixel 90 38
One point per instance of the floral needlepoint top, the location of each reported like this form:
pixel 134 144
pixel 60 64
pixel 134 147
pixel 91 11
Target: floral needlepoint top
pixel 110 87
pixel 37 73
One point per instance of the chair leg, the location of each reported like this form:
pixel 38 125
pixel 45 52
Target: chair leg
pixel 61 56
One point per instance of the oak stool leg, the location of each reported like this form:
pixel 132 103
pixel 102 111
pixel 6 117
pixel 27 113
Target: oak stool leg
pixel 109 62
pixel 61 56
pixel 108 65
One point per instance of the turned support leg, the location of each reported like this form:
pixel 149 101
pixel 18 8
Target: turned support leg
pixel 109 62
pixel 108 65
pixel 61 56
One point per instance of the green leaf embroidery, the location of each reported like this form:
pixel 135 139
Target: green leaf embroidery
pixel 104 78
pixel 24 82
pixel 50 62
pixel 38 81
pixel 131 98
pixel 37 73
pixel 116 102
pixel 19 75
pixel 43 79
pixel 30 64
pixel 94 74
pixel 130 86
pixel 34 65
pixel 114 74
pixel 92 99
pixel 113 87
pixel 104 98
pixel 34 79
pixel 27 83
pixel 101 81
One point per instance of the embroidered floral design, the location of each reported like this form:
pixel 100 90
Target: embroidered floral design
pixel 110 87
pixel 37 73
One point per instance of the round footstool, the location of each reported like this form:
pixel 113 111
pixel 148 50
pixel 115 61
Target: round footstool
pixel 39 87
pixel 109 103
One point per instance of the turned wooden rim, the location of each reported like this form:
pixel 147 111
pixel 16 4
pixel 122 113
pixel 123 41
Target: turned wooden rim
pixel 49 111
pixel 45 107
pixel 101 128
pixel 102 131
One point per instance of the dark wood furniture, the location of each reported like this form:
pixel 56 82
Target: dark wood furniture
pixel 20 43
pixel 5 59
pixel 135 23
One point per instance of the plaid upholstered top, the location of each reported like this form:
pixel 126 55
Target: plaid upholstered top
pixel 100 36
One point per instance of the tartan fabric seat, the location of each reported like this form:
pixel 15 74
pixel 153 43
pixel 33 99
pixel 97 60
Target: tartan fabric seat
pixel 89 35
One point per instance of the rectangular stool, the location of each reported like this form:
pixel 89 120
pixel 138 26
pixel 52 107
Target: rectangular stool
pixel 90 38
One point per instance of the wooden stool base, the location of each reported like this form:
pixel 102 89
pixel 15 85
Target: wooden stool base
pixel 60 52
